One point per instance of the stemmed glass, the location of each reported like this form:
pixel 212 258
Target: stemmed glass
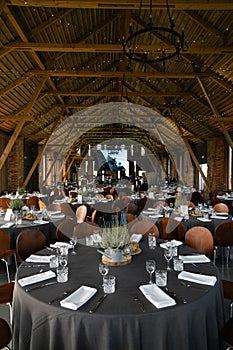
pixel 73 241
pixel 150 267
pixel 168 254
pixel 103 269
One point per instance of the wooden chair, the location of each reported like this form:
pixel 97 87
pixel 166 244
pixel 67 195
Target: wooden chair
pixel 5 334
pixel 6 295
pixel 191 205
pixel 81 213
pixel 42 205
pixel 228 329
pixel 223 235
pixel 6 252
pixel 201 239
pixel 85 229
pixel 221 208
pixel 65 230
pixel 4 203
pixel 144 228
pixel 171 229
pixel 28 242
pixel 54 207
pixel 33 200
pixel 68 210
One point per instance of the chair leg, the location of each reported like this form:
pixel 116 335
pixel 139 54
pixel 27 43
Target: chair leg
pixel 7 270
pixel 15 260
pixel 227 255
pixel 215 254
pixel 231 309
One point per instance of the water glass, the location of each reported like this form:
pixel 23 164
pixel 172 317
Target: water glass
pixel 53 263
pixel 178 264
pixel 151 240
pixel 109 284
pixel 62 274
pixel 161 278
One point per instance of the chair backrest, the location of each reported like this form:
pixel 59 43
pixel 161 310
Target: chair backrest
pixel 221 208
pixel 171 229
pixel 5 333
pixel 81 213
pixel 109 196
pixel 33 200
pixel 29 241
pixel 54 207
pixel 144 228
pixel 132 208
pixel 42 205
pixel 68 210
pixel 4 242
pixel 85 229
pixel 65 230
pixel 4 203
pixel 6 292
pixel 223 233
pixel 191 205
pixel 201 239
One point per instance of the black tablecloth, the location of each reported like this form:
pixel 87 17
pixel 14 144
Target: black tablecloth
pixel 211 225
pixel 119 322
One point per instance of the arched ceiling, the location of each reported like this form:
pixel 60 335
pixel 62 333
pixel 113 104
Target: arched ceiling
pixel 60 57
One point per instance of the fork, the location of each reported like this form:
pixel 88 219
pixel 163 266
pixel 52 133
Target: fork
pixel 66 292
pixel 188 285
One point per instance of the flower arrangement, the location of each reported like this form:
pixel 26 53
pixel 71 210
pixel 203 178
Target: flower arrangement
pixel 16 204
pixel 115 238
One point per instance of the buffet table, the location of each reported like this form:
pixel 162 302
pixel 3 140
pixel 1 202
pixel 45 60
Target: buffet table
pixel 119 322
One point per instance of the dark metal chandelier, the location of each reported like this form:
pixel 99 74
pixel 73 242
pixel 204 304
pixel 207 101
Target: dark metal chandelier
pixel 131 45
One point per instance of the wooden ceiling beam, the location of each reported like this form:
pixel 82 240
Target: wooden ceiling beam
pixel 120 74
pixel 127 4
pixel 116 93
pixel 108 48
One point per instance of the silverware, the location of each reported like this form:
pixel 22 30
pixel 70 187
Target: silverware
pixel 189 285
pixel 101 299
pixel 66 292
pixel 139 301
pixel 35 265
pixel 173 295
pixel 40 286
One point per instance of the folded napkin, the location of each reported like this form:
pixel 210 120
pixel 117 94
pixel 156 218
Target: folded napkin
pixel 156 296
pixel 57 216
pixel 59 244
pixel 219 217
pixel 40 222
pixel 78 298
pixel 204 219
pixel 156 216
pixel 195 258
pixel 39 258
pixel 172 243
pixel 178 218
pixel 53 212
pixel 36 278
pixel 197 278
pixel 136 237
pixel 146 212
pixel 8 225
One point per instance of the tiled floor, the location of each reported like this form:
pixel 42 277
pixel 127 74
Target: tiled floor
pixel 226 273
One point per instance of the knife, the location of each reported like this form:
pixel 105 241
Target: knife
pixel 101 299
pixel 40 286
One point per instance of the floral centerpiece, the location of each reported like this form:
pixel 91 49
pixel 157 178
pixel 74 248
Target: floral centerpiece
pixel 114 240
pixel 16 205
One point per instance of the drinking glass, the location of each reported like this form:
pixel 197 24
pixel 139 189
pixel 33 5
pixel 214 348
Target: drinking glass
pixel 73 241
pixel 150 268
pixel 103 269
pixel 168 254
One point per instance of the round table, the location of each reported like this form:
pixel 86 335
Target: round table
pixel 119 322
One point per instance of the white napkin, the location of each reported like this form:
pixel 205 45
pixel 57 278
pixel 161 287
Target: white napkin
pixel 53 212
pixel 156 296
pixel 57 216
pixel 178 218
pixel 36 278
pixel 135 237
pixel 219 217
pixel 195 258
pixel 146 212
pixel 172 243
pixel 204 219
pixel 78 298
pixel 8 225
pixel 39 258
pixel 197 278
pixel 40 222
pixel 156 216
pixel 59 244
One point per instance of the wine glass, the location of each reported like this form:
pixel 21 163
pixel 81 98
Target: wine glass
pixel 103 269
pixel 150 267
pixel 168 254
pixel 73 241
